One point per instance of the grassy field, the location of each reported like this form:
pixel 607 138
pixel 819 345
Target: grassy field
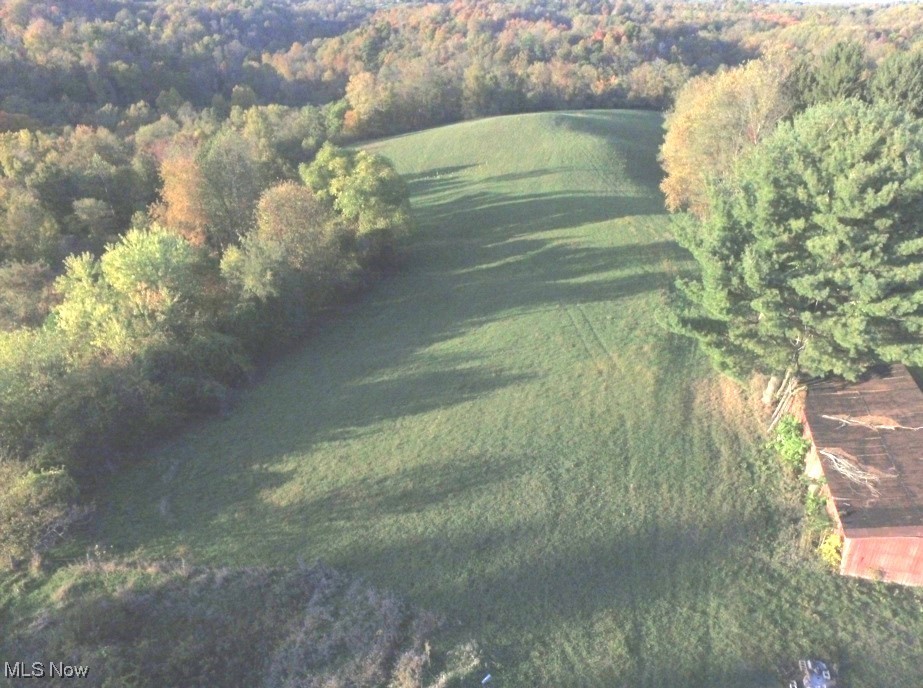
pixel 502 434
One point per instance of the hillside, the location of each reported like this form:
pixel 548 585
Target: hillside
pixel 502 434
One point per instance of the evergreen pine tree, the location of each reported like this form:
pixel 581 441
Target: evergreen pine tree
pixel 899 81
pixel 812 255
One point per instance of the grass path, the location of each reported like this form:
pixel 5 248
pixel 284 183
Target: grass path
pixel 502 434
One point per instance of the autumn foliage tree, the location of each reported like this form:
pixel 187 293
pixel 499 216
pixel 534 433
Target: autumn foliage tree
pixel 291 215
pixel 296 249
pixel 210 191
pixel 182 204
pixel 715 119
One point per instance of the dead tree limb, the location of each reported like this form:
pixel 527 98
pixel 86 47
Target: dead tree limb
pixel 852 472
pixel 786 396
pixel 850 420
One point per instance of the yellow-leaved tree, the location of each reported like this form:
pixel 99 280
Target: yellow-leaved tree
pixel 715 119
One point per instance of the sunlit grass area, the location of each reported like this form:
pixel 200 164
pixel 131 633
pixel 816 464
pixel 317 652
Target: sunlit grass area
pixel 502 434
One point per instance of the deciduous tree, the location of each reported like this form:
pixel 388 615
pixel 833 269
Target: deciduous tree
pixel 232 181
pixel 28 231
pixel 364 188
pixel 25 294
pixel 716 118
pixel 182 204
pixel 148 285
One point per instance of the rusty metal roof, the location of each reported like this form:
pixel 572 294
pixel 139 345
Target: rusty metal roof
pixel 871 430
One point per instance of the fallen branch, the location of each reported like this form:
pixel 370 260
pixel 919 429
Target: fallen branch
pixel 852 472
pixel 850 420
pixel 786 396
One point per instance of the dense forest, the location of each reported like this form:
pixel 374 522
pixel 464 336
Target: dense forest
pixel 181 196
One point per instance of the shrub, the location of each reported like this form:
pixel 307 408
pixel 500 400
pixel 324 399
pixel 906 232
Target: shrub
pixel 32 365
pixel 790 443
pixel 817 519
pixel 132 348
pixel 155 624
pixel 831 549
pixel 35 509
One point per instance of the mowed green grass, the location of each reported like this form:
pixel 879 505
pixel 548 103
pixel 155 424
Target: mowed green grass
pixel 502 434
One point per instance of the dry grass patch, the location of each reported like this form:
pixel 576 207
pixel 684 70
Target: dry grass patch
pixel 168 624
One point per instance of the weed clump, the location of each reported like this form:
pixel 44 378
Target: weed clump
pixel 790 444
pixel 160 625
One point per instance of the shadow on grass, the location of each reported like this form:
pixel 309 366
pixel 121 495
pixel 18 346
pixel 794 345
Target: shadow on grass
pixel 417 489
pixel 349 401
pixel 436 180
pixel 641 168
pixel 518 590
pixel 521 592
pixel 476 259
pixel 483 214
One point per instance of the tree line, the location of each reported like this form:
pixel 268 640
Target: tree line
pixel 397 66
pixel 188 248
